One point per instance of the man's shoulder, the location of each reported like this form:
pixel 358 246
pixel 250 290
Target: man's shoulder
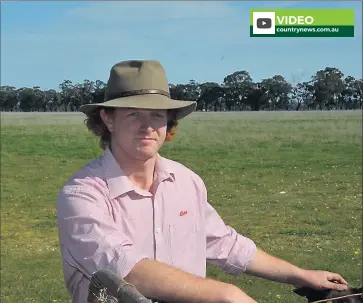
pixel 184 172
pixel 91 174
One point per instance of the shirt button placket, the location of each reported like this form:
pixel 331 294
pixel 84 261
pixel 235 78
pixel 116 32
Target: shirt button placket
pixel 157 227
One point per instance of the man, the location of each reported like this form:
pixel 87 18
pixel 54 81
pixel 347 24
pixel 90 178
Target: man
pixel 146 217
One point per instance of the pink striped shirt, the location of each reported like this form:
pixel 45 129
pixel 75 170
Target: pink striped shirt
pixel 105 221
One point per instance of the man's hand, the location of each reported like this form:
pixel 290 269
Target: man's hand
pixel 319 279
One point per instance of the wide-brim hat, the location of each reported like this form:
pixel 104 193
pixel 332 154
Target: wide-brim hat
pixel 140 84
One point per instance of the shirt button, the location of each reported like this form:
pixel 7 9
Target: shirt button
pixel 158 230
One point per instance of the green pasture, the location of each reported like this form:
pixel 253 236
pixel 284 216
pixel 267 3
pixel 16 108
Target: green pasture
pixel 292 181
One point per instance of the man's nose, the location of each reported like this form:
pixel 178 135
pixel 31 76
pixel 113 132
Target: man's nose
pixel 145 122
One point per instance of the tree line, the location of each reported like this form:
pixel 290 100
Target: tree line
pixel 327 89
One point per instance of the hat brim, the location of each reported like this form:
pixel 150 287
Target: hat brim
pixel 149 101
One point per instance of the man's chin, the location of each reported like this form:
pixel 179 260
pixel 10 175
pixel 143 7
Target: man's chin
pixel 145 153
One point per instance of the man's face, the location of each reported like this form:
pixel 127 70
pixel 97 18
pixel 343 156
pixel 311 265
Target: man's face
pixel 139 133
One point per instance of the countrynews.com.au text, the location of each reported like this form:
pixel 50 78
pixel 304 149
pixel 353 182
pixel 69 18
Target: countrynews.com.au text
pixel 306 30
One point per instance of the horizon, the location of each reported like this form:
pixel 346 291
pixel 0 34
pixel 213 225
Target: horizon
pixel 201 41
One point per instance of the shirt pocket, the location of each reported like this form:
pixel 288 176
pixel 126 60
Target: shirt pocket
pixel 183 237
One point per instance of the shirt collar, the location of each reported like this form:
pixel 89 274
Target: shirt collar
pixel 119 184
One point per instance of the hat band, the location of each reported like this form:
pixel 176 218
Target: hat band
pixel 136 92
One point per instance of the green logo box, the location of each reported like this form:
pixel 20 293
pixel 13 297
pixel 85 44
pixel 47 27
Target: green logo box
pixel 302 23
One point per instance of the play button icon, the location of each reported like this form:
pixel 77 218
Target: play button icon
pixel 263 23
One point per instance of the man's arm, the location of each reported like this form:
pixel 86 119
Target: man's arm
pixel 163 282
pixel 227 249
pixel 235 254
pixel 272 268
pixel 275 269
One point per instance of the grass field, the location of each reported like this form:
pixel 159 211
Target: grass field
pixel 292 181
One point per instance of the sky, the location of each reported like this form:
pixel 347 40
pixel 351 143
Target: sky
pixel 44 43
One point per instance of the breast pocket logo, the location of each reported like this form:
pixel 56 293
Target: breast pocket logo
pixel 264 23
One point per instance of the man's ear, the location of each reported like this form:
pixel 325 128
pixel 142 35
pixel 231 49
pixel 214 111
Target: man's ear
pixel 107 119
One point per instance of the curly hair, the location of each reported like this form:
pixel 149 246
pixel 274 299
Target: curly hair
pixel 96 125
